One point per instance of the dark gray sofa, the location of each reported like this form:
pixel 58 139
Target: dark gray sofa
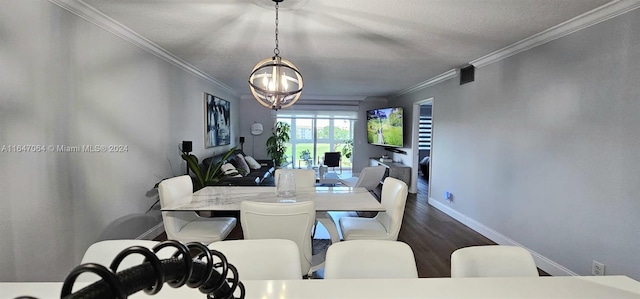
pixel 256 177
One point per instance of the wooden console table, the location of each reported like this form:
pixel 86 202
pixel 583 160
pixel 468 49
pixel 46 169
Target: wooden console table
pixel 394 170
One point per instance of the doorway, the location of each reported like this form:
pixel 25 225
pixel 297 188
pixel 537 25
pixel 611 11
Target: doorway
pixel 421 144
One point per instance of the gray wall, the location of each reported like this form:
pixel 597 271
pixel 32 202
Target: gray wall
pixel 252 112
pixel 64 81
pixel 542 149
pixel 362 150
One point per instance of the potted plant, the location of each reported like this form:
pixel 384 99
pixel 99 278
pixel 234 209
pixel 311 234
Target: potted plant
pixel 347 148
pixel 211 176
pixel 277 143
pixel 306 156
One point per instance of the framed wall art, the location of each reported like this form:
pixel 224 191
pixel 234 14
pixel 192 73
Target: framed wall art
pixel 217 123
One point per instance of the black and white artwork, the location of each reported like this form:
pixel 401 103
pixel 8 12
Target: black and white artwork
pixel 217 124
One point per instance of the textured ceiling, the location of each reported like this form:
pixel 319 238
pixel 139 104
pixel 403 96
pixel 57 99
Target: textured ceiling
pixel 344 49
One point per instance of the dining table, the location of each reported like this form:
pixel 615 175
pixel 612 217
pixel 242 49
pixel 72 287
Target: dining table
pixel 564 287
pixel 325 198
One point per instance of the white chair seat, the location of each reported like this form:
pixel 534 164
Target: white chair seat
pixel 187 226
pixel 349 182
pixel 207 230
pixel 362 228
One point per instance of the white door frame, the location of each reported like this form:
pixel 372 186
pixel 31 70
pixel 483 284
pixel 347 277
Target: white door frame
pixel 415 147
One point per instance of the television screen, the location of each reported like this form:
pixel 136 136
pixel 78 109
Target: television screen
pixel 384 126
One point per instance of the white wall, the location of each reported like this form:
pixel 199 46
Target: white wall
pixel 542 149
pixel 64 81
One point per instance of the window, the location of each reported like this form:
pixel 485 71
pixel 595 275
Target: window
pixel 424 133
pixel 317 132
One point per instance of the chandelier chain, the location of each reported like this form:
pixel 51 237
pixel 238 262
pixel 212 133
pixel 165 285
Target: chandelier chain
pixel 276 50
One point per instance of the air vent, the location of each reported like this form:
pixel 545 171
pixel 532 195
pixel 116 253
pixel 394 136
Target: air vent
pixel 467 74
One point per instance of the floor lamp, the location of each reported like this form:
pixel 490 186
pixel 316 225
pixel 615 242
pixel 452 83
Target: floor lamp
pixel 256 130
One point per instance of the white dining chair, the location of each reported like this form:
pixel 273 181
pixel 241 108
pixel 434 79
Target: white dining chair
pixel 266 259
pixel 104 252
pixel 385 225
pixel 493 261
pixel 187 226
pixel 290 221
pixel 369 178
pixel 305 178
pixel 370 259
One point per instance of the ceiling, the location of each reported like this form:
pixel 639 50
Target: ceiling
pixel 344 49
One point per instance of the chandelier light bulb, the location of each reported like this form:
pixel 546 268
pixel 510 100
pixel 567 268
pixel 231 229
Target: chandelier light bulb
pixel 284 82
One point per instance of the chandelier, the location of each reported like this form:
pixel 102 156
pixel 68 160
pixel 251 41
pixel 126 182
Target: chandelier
pixel 275 82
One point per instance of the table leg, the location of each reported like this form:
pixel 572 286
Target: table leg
pixel 329 224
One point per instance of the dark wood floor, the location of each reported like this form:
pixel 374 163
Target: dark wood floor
pixel 432 234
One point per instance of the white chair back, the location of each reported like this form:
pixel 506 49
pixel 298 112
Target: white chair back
pixel 104 252
pixel 370 177
pixel 291 221
pixel 171 191
pixel 393 198
pixel 370 259
pixel 492 261
pixel 268 259
pixel 305 178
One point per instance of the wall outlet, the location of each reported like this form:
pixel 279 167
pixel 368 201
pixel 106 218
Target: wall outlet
pixel 448 197
pixel 597 268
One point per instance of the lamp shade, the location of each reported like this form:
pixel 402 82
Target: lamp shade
pixel 257 129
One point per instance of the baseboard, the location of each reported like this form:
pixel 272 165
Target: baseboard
pixel 542 262
pixel 152 232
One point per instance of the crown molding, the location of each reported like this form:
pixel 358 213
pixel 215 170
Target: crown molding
pixel 90 14
pixel 433 81
pixel 590 18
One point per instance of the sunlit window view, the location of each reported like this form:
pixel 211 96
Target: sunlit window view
pixel 313 136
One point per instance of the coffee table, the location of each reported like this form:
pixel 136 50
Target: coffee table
pixel 330 178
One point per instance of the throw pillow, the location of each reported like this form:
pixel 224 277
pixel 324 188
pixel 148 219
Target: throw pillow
pixel 252 162
pixel 227 168
pixel 242 165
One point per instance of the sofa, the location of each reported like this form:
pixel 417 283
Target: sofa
pixel 253 177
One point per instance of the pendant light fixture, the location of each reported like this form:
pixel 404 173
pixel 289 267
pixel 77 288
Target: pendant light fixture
pixel 275 82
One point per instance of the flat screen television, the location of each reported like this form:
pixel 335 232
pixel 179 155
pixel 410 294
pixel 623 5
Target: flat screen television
pixel 385 126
